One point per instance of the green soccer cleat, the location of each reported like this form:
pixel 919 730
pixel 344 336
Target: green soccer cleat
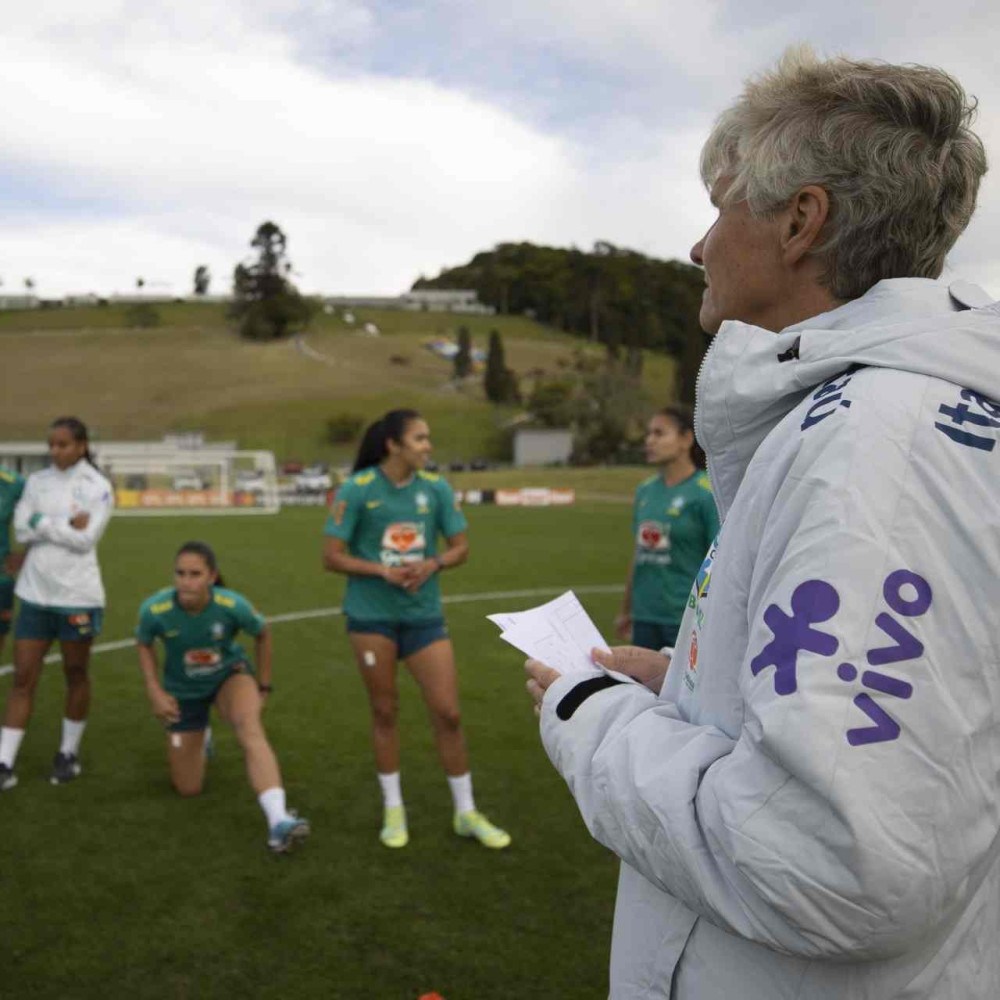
pixel 394 832
pixel 475 824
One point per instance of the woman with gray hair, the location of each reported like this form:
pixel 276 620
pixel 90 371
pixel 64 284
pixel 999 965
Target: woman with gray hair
pixel 807 805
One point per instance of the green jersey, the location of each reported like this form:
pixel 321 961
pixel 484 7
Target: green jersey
pixel 673 527
pixel 393 525
pixel 11 488
pixel 200 648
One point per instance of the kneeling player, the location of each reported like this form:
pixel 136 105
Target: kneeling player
pixel 197 620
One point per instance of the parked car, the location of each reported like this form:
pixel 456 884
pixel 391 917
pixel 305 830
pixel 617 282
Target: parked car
pixel 251 481
pixel 314 479
pixel 291 468
pixel 188 481
pixel 136 481
pixel 479 465
pixel 456 466
pixel 431 466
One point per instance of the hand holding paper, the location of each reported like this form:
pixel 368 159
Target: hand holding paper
pixel 560 634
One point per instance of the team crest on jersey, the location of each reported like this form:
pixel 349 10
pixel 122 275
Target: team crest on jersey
pixel 653 536
pixel 218 630
pixel 423 503
pixel 403 542
pixel 675 507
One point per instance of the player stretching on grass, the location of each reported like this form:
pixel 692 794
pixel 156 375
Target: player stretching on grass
pixel 197 621
pixel 11 488
pixel 382 533
pixel 674 521
pixel 61 516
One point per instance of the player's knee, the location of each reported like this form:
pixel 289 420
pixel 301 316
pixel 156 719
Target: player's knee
pixel 186 788
pixel 25 683
pixel 448 720
pixel 76 676
pixel 385 712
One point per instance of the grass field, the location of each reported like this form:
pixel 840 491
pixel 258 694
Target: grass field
pixel 113 887
pixel 194 373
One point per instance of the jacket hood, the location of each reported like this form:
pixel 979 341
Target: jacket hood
pixel 751 377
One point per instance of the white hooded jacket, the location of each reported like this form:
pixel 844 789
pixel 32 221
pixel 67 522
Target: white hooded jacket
pixel 811 807
pixel 61 568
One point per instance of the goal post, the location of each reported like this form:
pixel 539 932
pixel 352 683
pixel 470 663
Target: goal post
pixel 192 482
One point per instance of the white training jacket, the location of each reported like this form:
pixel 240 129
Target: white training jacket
pixel 811 807
pixel 61 569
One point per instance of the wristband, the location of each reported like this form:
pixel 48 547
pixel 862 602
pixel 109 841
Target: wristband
pixel 265 688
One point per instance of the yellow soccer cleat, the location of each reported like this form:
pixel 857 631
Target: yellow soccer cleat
pixel 394 832
pixel 475 824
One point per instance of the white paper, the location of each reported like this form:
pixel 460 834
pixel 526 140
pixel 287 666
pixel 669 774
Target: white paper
pixel 560 633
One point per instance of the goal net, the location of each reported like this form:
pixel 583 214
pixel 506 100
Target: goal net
pixel 192 482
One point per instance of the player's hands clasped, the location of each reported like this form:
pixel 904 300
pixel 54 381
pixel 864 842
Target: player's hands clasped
pixel 80 520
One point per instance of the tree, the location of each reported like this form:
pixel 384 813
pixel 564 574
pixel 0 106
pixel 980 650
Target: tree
pixel 265 301
pixel 499 381
pixel 202 279
pixel 140 283
pixel 29 285
pixel 463 359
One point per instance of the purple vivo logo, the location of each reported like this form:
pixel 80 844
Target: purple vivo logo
pixel 813 602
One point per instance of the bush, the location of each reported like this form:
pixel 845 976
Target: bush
pixel 342 428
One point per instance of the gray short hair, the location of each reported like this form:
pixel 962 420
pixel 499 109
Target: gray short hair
pixel 891 145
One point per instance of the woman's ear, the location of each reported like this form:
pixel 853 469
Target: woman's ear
pixel 807 213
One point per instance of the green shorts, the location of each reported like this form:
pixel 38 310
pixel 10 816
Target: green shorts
pixel 654 635
pixel 195 711
pixel 6 605
pixel 409 637
pixel 36 621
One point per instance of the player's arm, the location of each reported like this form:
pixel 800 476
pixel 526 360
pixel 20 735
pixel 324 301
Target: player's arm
pixel 337 559
pixel 807 826
pixel 164 706
pixel 26 517
pixel 83 531
pixel 623 620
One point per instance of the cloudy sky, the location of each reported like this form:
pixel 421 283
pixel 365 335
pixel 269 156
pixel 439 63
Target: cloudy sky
pixel 391 138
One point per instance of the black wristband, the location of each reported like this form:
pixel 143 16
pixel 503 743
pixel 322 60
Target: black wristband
pixel 265 688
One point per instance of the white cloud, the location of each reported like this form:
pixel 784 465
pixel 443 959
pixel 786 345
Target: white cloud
pixel 196 121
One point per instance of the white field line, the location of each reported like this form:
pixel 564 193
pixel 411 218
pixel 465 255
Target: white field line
pixel 298 616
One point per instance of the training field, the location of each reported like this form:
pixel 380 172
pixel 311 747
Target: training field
pixel 113 887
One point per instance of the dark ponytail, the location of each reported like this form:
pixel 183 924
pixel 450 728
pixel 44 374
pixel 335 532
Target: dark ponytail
pixel 374 442
pixel 78 431
pixel 684 419
pixel 207 553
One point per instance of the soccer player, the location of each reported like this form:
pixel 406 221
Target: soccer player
pixel 382 532
pixel 674 521
pixel 11 488
pixel 197 621
pixel 61 516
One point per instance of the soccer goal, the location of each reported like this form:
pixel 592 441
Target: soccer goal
pixel 190 481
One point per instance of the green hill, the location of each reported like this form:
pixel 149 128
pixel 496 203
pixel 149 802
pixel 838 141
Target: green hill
pixel 193 373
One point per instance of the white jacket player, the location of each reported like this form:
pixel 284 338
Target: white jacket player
pixel 61 516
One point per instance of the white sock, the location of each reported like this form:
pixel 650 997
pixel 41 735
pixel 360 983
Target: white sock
pixel 461 792
pixel 10 743
pixel 272 802
pixel 72 733
pixel 392 793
